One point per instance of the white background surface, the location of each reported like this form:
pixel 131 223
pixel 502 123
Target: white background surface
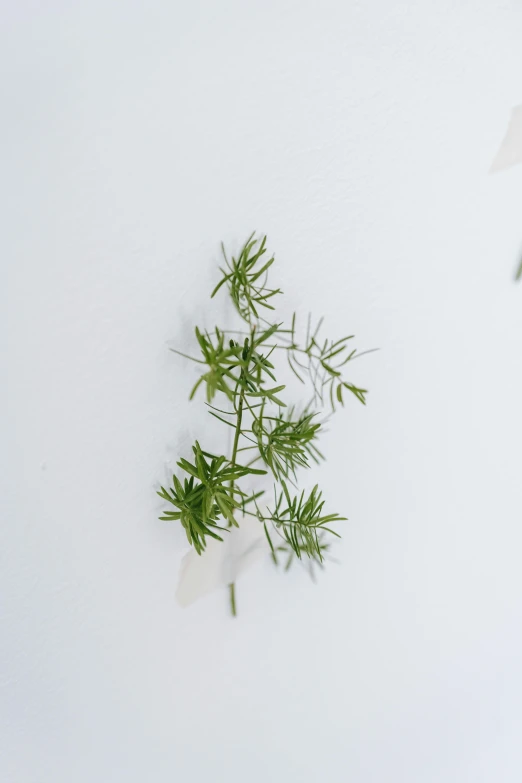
pixel 135 137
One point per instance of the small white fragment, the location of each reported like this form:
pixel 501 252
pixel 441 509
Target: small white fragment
pixel 510 152
pixel 222 562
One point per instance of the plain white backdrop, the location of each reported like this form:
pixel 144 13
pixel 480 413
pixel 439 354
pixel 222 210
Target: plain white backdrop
pixel 135 137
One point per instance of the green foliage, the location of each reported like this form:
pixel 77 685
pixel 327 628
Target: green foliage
pixel 242 369
pixel 312 561
pixel 236 366
pixel 205 497
pixel 300 521
pixel 286 443
pixel 246 279
pixel 322 361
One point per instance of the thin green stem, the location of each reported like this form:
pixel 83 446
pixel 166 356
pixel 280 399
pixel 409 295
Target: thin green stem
pixel 238 427
pixel 232 586
pixel 232 594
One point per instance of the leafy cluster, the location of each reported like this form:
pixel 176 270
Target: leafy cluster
pixel 286 442
pixel 323 361
pixel 241 369
pixel 246 280
pixel 236 364
pixel 301 522
pixel 205 497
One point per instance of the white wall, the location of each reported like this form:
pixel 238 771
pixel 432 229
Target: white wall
pixel 136 136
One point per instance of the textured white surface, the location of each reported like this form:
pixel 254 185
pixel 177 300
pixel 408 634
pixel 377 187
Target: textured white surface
pixel 136 136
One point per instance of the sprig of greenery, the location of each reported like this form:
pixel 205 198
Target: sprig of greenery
pixel 286 442
pixel 236 365
pixel 300 520
pixel 312 561
pixel 246 279
pixel 323 360
pixel 241 367
pixel 204 498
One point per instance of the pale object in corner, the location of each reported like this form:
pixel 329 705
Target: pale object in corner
pixel 510 152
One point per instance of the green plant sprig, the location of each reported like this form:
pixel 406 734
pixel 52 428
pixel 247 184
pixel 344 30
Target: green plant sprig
pixel 240 367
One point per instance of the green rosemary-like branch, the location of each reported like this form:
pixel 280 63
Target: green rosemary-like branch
pixel 241 368
pixel 286 442
pixel 323 362
pixel 204 498
pixel 300 521
pixel 246 279
pixel 236 366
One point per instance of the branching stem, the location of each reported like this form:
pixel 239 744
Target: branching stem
pixel 232 586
